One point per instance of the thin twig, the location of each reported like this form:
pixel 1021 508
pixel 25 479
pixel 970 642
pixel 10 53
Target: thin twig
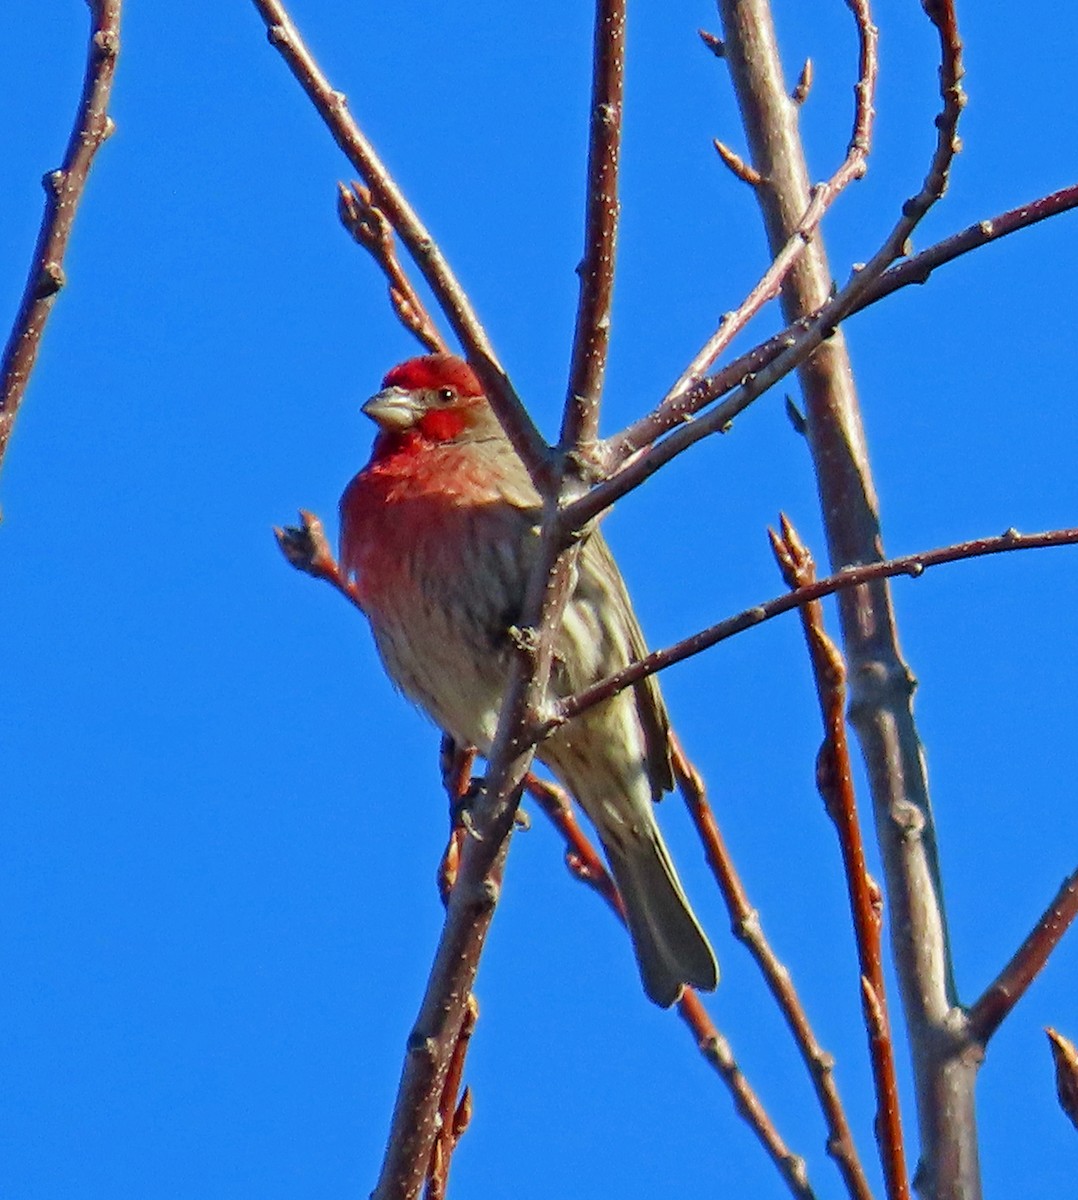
pixel 716 1050
pixel 999 998
pixel 455 1109
pixel 914 270
pixel 585 863
pixel 591 336
pixel 63 191
pixel 306 547
pixel 389 199
pixel 679 406
pixel 745 922
pixel 909 564
pixel 581 857
pixel 370 228
pixel 834 778
pixel 823 196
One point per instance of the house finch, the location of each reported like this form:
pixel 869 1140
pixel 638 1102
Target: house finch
pixel 439 531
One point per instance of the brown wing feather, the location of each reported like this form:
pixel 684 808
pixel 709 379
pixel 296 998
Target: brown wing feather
pixel 649 700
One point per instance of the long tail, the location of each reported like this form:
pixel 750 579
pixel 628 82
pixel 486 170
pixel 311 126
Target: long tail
pixel 671 948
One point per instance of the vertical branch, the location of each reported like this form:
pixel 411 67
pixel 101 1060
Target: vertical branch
pixel 454 1115
pixel 834 779
pixel 592 335
pixel 63 189
pixel 881 682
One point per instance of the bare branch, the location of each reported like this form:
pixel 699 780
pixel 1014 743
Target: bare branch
pixel 63 191
pixel 389 199
pixel 307 549
pixel 581 857
pixel 850 577
pixel 586 864
pixel 755 372
pixel 919 267
pixel 992 1008
pixel 455 1113
pixel 881 681
pixel 591 338
pixel 716 1050
pixel 822 197
pixel 371 229
pixel 745 922
pixel 834 778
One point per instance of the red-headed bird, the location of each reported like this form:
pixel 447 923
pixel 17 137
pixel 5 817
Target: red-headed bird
pixel 440 530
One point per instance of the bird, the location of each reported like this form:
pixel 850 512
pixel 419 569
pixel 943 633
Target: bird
pixel 437 536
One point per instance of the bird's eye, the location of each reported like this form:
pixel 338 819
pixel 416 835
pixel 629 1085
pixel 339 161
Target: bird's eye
pixel 447 395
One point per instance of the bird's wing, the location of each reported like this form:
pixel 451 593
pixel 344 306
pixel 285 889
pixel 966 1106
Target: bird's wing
pixel 601 588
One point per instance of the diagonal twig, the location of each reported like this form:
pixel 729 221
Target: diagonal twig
pixel 370 228
pixel 913 565
pixel 823 196
pixel 306 548
pixel 745 922
pixel 63 190
pixel 717 1051
pixel 742 372
pixel 820 316
pixel 585 863
pixel 389 199
pixel 1003 993
pixel 581 857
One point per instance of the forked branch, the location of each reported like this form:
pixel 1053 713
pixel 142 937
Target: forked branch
pixel 370 228
pixel 387 196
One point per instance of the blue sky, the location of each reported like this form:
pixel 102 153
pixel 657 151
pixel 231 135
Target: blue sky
pixel 221 824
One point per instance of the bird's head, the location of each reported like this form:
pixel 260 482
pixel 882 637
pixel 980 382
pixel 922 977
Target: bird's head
pixel 436 397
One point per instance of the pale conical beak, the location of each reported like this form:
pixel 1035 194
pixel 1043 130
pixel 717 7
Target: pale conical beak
pixel 393 409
